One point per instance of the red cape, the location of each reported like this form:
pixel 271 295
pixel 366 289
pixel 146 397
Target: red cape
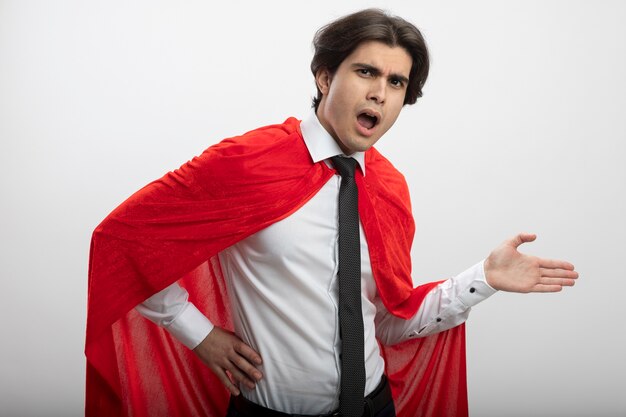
pixel 173 229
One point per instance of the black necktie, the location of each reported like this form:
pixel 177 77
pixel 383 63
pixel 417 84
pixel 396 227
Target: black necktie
pixel 350 313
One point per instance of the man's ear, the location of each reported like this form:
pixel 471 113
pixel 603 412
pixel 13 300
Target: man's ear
pixel 323 78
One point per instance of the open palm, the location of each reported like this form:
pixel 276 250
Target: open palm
pixel 507 269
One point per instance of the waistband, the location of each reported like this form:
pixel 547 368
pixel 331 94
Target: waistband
pixel 374 402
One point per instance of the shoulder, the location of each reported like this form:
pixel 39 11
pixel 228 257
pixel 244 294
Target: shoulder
pixel 269 137
pixel 258 156
pixel 382 174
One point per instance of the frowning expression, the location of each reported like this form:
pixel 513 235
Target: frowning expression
pixel 362 99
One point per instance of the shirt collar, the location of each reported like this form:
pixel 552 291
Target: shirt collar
pixel 321 144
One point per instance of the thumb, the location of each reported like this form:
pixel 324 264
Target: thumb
pixel 522 238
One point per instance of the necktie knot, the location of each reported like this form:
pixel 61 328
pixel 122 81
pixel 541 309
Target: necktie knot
pixel 345 166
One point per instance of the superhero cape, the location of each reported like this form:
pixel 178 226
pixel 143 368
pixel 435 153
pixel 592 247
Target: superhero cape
pixel 173 229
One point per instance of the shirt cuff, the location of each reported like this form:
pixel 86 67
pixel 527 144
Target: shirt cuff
pixel 473 285
pixel 190 327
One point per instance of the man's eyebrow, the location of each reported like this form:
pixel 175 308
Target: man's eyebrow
pixel 376 71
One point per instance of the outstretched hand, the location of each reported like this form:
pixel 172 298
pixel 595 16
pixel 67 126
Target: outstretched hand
pixel 230 359
pixel 506 269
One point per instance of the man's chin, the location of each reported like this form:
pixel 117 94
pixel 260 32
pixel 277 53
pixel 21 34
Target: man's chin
pixel 366 143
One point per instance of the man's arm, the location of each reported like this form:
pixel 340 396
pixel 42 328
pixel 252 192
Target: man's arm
pixel 170 309
pixel 445 306
pixel 448 304
pixel 222 351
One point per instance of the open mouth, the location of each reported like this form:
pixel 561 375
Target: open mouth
pixel 367 120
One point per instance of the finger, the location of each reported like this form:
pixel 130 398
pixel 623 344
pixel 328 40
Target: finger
pixel 555 264
pixel 221 374
pixel 247 368
pixel 239 375
pixel 546 288
pixel 522 238
pixel 564 282
pixel 558 273
pixel 248 353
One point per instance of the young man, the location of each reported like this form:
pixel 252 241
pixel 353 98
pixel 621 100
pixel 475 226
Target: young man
pixel 293 244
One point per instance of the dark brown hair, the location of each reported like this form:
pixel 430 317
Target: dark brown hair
pixel 338 39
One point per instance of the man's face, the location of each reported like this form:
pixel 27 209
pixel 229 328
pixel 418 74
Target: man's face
pixel 364 96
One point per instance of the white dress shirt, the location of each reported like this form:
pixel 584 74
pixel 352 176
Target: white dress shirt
pixel 282 284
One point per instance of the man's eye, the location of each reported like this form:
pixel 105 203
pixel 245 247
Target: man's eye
pixel 397 83
pixel 364 71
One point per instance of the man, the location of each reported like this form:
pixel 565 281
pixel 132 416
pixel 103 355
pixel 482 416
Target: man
pixel 254 233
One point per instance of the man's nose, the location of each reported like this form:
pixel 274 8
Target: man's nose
pixel 377 91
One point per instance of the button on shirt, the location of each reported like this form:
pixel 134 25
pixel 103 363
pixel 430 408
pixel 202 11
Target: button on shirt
pixel 284 294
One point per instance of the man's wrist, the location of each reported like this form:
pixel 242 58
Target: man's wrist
pixel 190 327
pixel 489 273
pixel 473 285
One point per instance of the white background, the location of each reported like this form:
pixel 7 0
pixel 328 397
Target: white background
pixel 522 127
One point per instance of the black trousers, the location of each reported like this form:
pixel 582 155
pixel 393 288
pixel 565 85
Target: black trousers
pixel 388 411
